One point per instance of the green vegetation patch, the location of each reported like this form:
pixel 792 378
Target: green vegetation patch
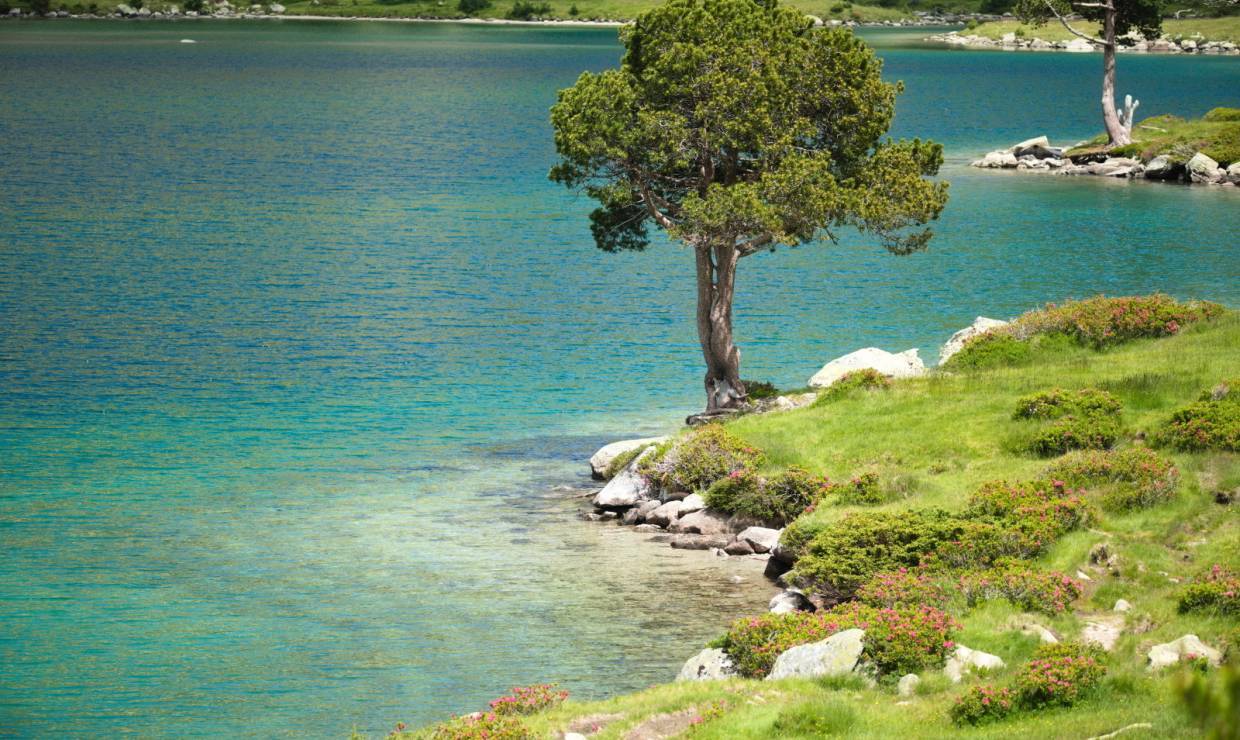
pixel 1057 675
pixel 695 461
pixel 776 500
pixel 1134 478
pixel 1217 592
pixel 1211 423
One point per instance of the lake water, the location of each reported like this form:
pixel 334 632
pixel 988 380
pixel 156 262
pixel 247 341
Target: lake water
pixel 296 341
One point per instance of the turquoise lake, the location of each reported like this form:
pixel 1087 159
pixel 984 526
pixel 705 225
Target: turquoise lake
pixel 300 352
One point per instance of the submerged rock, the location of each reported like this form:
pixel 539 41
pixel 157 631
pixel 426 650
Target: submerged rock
pixel 699 542
pixel 712 664
pixel 835 656
pixel 904 364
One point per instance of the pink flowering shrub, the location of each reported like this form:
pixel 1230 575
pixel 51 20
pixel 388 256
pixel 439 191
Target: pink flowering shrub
pixel 529 699
pixel 897 641
pixel 1135 478
pixel 1059 674
pixel 776 500
pixel 982 704
pixel 1026 588
pixel 482 726
pixel 1015 520
pixel 1055 403
pixel 1211 423
pixel 1103 322
pixel 1218 592
pixel 861 489
pixel 695 461
pixel 905 587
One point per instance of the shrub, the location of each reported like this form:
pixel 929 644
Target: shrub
pixel 1057 403
pixel 845 554
pixel 529 699
pixel 1222 115
pixel 905 587
pixel 862 489
pixel 572 10
pixel 777 500
pixel 1211 423
pixel 1135 478
pixel 470 7
pixel 1042 507
pixel 758 390
pixel 1085 419
pixel 982 704
pixel 897 640
pixel 695 461
pixel 866 379
pixel 482 726
pixel 1059 674
pixel 1025 533
pixel 1075 433
pixel 522 10
pixel 194 5
pixel 1217 592
pixel 1028 589
pixel 1102 322
pixel 990 349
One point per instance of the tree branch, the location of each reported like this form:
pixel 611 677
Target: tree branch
pixel 649 199
pixel 744 249
pixel 1064 21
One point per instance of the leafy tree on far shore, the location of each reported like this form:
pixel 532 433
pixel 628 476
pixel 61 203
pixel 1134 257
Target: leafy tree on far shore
pixel 737 127
pixel 1119 18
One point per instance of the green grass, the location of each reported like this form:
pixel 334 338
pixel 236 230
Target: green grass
pixel 1178 138
pixel 1210 29
pixel 947 433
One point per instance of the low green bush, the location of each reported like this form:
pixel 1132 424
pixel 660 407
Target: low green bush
pixel 906 587
pixel 470 7
pixel 776 500
pixel 1057 403
pixel 1222 115
pixel 1075 433
pixel 1210 423
pixel 845 554
pixel 758 390
pixel 866 379
pixel 487 726
pixel 815 718
pixel 982 704
pixel 1059 674
pixel 695 461
pixel 897 641
pixel 1048 592
pixel 991 349
pixel 863 489
pixel 1217 592
pixel 529 699
pixel 1134 478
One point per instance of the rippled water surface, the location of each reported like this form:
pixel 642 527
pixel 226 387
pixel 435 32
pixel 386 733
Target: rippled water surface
pixel 296 341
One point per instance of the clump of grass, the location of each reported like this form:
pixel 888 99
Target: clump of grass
pixel 849 384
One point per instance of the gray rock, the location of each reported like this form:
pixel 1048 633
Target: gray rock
pixel 706 521
pixel 1103 631
pixel 907 685
pixel 1026 624
pixel 627 489
pixel 738 547
pixel 665 514
pixel 632 517
pixel 980 325
pixel 1202 169
pixel 1039 151
pixel 835 656
pixel 791 600
pixel 1121 605
pixel 761 539
pixel 601 460
pixel 964 660
pixel 1162 168
pixel 699 542
pixel 691 503
pixel 712 664
pixel 1035 141
pixel 904 364
pixel 997 160
pixel 1233 172
pixel 648 528
pixel 1188 647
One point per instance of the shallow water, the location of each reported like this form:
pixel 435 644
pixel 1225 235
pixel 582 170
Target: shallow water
pixel 297 340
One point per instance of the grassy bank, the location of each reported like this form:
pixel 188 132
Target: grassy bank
pixel 1217 135
pixel 932 442
pixel 1208 29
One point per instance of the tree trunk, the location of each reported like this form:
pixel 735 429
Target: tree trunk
pixel 716 281
pixel 1117 132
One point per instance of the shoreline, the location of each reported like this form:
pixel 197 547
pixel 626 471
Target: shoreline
pixel 1010 42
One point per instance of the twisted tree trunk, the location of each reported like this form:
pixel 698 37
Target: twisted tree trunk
pixel 716 282
pixel 1118 133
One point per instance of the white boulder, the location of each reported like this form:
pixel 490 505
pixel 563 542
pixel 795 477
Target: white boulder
pixel 627 489
pixel 276 8
pixel 835 656
pixel 904 364
pixel 1188 647
pixel 791 600
pixel 691 503
pixel 712 664
pixel 665 515
pixel 761 539
pixel 706 521
pixel 980 325
pixel 965 661
pixel 1202 169
pixel 1078 45
pixel 601 460
pixel 907 685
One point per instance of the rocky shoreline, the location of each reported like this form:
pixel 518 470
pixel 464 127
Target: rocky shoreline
pixel 1038 155
pixel 1012 42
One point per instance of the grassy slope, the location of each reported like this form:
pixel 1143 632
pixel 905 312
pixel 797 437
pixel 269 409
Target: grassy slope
pixel 1177 138
pixel 945 435
pixel 1211 29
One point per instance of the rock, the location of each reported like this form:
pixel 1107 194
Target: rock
pixel 15 12
pixel 706 521
pixel 1162 168
pixel 1026 624
pixel 1083 576
pixel 665 514
pixel 125 10
pixel 691 503
pixel 648 528
pixel 712 664
pixel 574 736
pixel 1009 38
pixel 907 685
pixel 144 12
pixel 791 600
pixel 785 403
pixel 775 569
pixel 1103 632
pixel 997 160
pixel 761 539
pixel 1121 606
pixel 601 460
pixel 738 547
pixel 980 325
pixel 1078 45
pixel 1188 647
pixel 1202 169
pixel 905 364
pixel 699 542
pixel 964 660
pixel 835 656
pixel 1233 172
pixel 1027 143
pixel 627 489
pixel 632 517
pixel 276 8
